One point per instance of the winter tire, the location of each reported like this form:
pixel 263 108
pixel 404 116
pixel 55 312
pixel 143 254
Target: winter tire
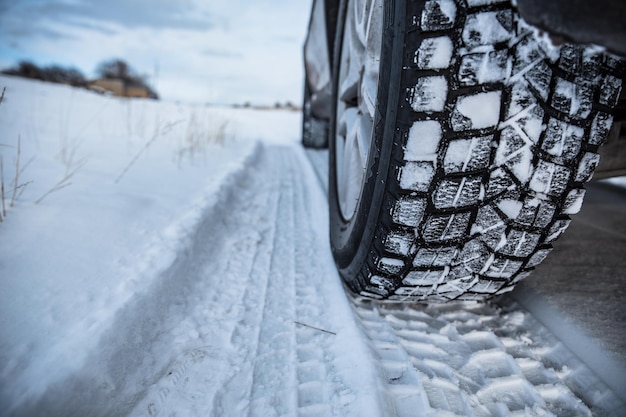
pixel 460 142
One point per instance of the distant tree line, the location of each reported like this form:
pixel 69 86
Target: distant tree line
pixel 113 69
pixel 53 73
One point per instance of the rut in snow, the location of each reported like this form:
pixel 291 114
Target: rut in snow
pixel 252 320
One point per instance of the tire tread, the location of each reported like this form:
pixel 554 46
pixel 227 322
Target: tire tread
pixel 471 220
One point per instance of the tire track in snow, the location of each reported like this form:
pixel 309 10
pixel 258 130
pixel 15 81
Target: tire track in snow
pixel 337 374
pixel 218 336
pixel 273 366
pixel 156 354
pixel 476 359
pixel 479 360
pixel 225 309
pixel 320 391
pixel 262 385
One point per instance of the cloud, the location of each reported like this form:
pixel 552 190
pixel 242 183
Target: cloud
pixel 157 14
pixel 220 51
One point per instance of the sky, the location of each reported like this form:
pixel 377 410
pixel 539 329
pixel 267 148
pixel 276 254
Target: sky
pixel 195 51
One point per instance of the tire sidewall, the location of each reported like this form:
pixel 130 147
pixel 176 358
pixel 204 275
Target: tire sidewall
pixel 351 238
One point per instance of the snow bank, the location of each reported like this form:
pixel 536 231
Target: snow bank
pixel 113 188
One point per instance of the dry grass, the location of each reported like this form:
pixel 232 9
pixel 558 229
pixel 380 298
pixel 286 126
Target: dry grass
pixel 18 186
pixel 159 131
pixel 63 182
pixel 202 131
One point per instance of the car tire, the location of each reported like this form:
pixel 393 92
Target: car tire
pixel 453 182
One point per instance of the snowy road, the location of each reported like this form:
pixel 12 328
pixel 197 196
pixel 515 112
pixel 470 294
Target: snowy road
pixel 251 319
pixel 186 271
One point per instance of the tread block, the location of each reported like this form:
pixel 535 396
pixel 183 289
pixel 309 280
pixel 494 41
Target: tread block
pixel 463 155
pixel 574 201
pixel 499 182
pixel 453 289
pixel 382 283
pixel 525 114
pixel 446 227
pixel 422 143
pixel 483 67
pixel 429 94
pixel 390 266
pixel 536 213
pixel 399 242
pixel 592 63
pixel 424 278
pixel 459 276
pixel 510 207
pixel 610 90
pixel 502 268
pixel 458 192
pixel 600 128
pixel 587 166
pixel 514 151
pixel 538 257
pixel 557 228
pixel 374 292
pixel 614 63
pixel 471 259
pixel 539 76
pixel 490 226
pixel 573 98
pixel 408 211
pixel 487 28
pixel 550 179
pixel 438 15
pixel 562 140
pixel 571 58
pixel 519 243
pixel 416 176
pixel 526 54
pixel 442 256
pixel 434 53
pixel 485 286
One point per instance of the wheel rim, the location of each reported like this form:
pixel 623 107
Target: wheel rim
pixel 356 99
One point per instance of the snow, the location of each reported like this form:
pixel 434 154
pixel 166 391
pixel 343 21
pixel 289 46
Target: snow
pixel 417 176
pixel 434 53
pixel 510 208
pixel 423 141
pixel 429 94
pixel 141 175
pixel 477 111
pixel 574 201
pixel 183 268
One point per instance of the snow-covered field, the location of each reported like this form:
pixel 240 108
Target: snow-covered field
pixel 161 259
